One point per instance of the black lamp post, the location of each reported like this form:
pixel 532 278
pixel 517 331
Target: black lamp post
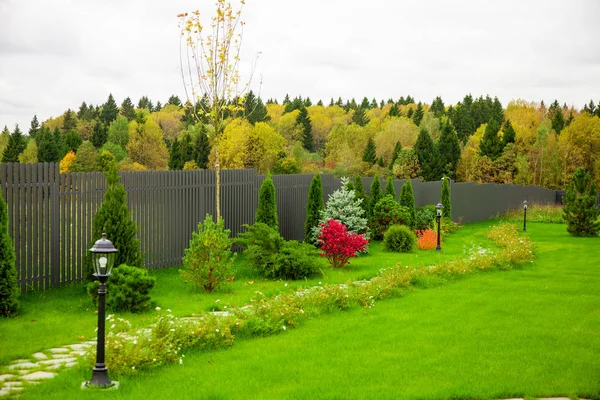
pixel 525 216
pixel 103 255
pixel 438 209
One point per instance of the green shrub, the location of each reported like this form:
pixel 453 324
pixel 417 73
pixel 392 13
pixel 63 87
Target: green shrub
pixel 9 289
pixel 314 206
pixel 209 258
pixel 273 257
pixel 400 238
pixel 580 209
pixel 425 218
pixel 407 199
pixel 267 204
pixel 388 212
pixel 375 194
pixel 359 193
pixel 389 187
pixel 445 197
pixel 127 289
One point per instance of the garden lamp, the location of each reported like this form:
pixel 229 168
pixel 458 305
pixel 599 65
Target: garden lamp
pixel 103 255
pixel 438 210
pixel 525 216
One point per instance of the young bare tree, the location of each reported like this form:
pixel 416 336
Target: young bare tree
pixel 210 69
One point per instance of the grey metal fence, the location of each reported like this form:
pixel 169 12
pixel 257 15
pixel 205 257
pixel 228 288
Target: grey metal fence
pixel 50 214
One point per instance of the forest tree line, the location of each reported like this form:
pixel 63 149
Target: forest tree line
pixel 475 140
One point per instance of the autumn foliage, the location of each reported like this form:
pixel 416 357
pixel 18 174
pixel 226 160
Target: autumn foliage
pixel 427 239
pixel 338 245
pixel 67 162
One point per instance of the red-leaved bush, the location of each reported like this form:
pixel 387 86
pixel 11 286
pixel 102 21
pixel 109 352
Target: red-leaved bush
pixel 427 239
pixel 337 244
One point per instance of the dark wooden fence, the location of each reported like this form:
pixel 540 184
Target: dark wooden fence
pixel 50 214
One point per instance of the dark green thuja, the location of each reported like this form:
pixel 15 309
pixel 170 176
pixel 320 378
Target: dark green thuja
pixel 375 194
pixel 389 188
pixel 445 198
pixel 580 209
pixel 407 199
pixel 114 218
pixel 267 204
pixel 314 206
pixel 359 193
pixel 9 290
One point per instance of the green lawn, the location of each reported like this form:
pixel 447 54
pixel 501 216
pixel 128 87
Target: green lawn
pixel 529 332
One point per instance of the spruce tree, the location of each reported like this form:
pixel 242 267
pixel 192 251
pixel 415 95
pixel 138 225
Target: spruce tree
pixel 426 152
pixel 418 115
pixel 359 193
pixel 35 127
pixel 410 113
pixel 47 146
pixel 445 198
pixel 407 199
pixel 497 112
pixel 490 144
pixel 448 149
pixel 508 133
pixel 558 121
pixel 369 154
pixel 109 112
pixel 175 160
pixel 375 194
pixel 580 209
pixel 395 153
pixel 389 188
pixel 381 162
pixel 267 204
pixel 394 111
pixel 360 117
pixel 72 141
pixel 9 289
pixel 314 206
pixel 114 218
pixel 202 150
pixel 16 145
pixel 437 107
pixel 99 134
pixel 304 121
pixel 70 121
pixel 127 109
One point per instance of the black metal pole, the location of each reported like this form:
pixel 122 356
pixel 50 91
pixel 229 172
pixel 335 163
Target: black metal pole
pixel 100 375
pixel 525 220
pixel 438 248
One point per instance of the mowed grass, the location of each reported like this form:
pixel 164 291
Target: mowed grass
pixel 531 332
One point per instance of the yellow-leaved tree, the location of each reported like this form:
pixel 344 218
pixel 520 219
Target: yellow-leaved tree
pixel 210 69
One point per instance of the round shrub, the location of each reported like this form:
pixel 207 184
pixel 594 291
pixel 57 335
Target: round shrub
pixel 297 260
pixel 388 212
pixel 400 238
pixel 425 218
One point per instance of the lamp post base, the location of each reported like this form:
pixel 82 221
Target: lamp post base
pixel 438 249
pixel 88 385
pixel 100 377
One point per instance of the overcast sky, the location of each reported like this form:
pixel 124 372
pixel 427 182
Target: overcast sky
pixel 56 54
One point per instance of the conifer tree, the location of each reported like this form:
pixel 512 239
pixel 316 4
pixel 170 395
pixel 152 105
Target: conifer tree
pixel 314 206
pixel 114 218
pixel 369 154
pixel 580 209
pixel 69 122
pixel 359 193
pixel 174 100
pixel 267 204
pixel 426 152
pixel 375 194
pixel 127 109
pixel 395 153
pixel 109 111
pixel 72 141
pixel 558 121
pixel 418 115
pixel 437 107
pixel 445 198
pixel 490 144
pixel 410 113
pixel 394 111
pixel 389 188
pixel 407 199
pixel 202 150
pixel 497 112
pixel 304 121
pixel 381 162
pixel 16 145
pixel 359 117
pixel 47 146
pixel 9 289
pixel 60 143
pixel 175 159
pixel 350 185
pixel 35 127
pixel 99 135
pixel 508 133
pixel 448 149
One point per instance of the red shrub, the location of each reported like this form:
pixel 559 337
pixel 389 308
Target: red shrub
pixel 427 239
pixel 337 244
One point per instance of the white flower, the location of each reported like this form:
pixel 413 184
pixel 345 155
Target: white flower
pixel 284 328
pixel 112 326
pixel 168 310
pixel 217 330
pixel 217 300
pixel 285 284
pixel 135 341
pixel 133 367
pixel 157 308
pixel 181 361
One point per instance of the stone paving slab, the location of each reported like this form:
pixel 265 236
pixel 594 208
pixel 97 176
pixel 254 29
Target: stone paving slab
pixel 59 361
pixel 5 377
pixel 25 365
pixel 59 350
pixel 80 346
pixel 39 375
pixel 13 384
pixel 40 356
pixel 61 356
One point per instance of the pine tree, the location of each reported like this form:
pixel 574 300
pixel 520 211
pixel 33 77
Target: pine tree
pixel 369 154
pixel 258 112
pixel 174 100
pixel 394 111
pixel 127 109
pixel 407 199
pixel 202 150
pixel 448 149
pixel 558 121
pixel 381 162
pixel 437 107
pixel 426 152
pixel 320 103
pixel 580 209
pixel 35 127
pixel 360 117
pixel 109 111
pixel 445 198
pixel 410 113
pixel 304 121
pixel 175 160
pixel 314 206
pixel 16 145
pixel 375 194
pixel 395 153
pixel 497 112
pixel 418 115
pixel 146 103
pixel 114 218
pixel 267 204
pixel 286 99
pixel 69 122
pixel 9 289
pixel 359 193
pixel 84 112
pixel 490 144
pixel 508 133
pixel 47 146
pixel 158 106
pixel 389 188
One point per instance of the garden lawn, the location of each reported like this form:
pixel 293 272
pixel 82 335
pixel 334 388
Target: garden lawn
pixel 528 332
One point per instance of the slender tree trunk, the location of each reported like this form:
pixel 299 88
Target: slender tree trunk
pixel 218 183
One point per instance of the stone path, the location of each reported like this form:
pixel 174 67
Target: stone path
pixel 40 366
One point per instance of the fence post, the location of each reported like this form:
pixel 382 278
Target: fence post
pixel 54 178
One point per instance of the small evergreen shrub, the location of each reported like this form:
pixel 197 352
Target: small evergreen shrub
pixel 445 198
pixel 314 206
pixel 388 212
pixel 580 209
pixel 296 260
pixel 267 204
pixel 425 218
pixel 359 193
pixel 407 199
pixel 127 289
pixel 375 194
pixel 400 238
pixel 389 188
pixel 209 258
pixel 338 245
pixel 9 289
